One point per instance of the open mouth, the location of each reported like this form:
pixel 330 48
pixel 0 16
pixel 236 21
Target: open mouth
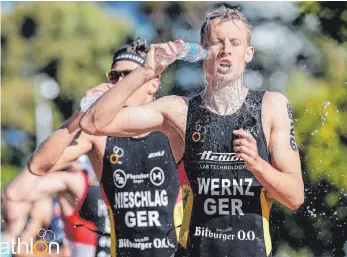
pixel 224 67
pixel 225 63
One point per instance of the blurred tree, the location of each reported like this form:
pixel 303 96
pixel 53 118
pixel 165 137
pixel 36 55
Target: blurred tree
pixel 318 228
pixel 320 107
pixel 332 17
pixel 72 42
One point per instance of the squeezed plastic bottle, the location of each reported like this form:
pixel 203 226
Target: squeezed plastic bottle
pixel 189 52
pixel 88 100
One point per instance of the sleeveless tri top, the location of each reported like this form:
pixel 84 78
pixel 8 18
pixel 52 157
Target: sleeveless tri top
pixel 141 188
pixel 227 211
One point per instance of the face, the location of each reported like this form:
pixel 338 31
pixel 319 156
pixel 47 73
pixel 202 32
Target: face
pixel 230 51
pixel 145 93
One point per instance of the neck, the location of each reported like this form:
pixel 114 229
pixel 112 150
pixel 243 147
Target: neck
pixel 225 99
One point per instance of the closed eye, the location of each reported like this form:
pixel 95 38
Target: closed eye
pixel 235 43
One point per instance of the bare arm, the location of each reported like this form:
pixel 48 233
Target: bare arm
pixel 287 185
pixel 282 178
pixel 107 115
pixel 51 150
pixel 14 215
pixel 41 215
pixel 47 185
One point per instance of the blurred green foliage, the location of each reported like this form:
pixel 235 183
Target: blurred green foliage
pixel 72 42
pixel 78 38
pixel 332 17
pixel 320 109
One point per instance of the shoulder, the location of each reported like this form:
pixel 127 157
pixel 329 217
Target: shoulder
pixel 172 103
pixel 275 103
pixel 276 109
pixel 275 99
pixel 180 100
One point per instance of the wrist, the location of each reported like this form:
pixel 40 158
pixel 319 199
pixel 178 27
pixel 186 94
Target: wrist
pixel 259 167
pixel 146 73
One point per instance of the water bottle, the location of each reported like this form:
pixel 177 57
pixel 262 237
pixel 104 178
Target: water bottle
pixel 88 100
pixel 189 52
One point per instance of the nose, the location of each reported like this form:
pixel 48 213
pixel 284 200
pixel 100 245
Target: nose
pixel 226 49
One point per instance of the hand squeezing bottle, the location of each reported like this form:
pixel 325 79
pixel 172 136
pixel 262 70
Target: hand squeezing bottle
pixel 189 52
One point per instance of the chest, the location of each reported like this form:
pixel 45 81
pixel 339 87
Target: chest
pixel 139 164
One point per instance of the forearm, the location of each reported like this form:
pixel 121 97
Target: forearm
pixel 284 187
pixel 14 228
pixel 102 112
pixel 49 152
pixel 27 188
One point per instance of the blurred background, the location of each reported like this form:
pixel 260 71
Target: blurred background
pixel 51 52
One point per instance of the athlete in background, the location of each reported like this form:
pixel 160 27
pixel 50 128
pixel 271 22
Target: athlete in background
pixel 138 175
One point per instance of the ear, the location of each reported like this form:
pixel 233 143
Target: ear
pixel 154 86
pixel 249 54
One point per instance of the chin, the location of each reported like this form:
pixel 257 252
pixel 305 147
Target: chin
pixel 224 78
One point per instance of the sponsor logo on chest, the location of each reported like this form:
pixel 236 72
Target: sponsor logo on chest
pixel 219 157
pixel 156 154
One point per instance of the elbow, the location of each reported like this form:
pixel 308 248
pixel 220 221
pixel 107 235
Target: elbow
pixel 296 202
pixel 34 168
pixel 9 194
pixel 89 127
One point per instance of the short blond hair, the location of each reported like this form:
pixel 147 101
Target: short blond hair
pixel 225 14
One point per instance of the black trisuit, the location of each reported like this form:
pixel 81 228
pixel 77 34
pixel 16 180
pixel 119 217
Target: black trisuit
pixel 142 191
pixel 227 213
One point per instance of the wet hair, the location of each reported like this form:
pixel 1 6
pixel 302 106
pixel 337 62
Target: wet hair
pixel 225 14
pixel 135 51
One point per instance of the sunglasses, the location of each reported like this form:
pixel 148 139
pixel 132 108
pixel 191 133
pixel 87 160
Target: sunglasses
pixel 113 75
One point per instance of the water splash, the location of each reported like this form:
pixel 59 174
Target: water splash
pixel 224 97
pixel 325 105
pixel 312 213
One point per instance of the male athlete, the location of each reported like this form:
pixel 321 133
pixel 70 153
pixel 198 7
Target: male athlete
pixel 83 210
pixel 138 175
pixel 237 145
